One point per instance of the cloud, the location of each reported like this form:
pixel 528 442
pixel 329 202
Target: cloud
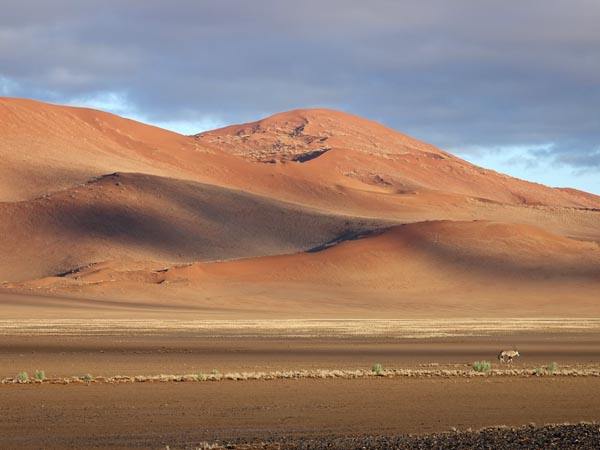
pixel 461 74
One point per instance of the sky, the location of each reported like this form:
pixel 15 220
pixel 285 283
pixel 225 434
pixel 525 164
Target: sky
pixel 512 86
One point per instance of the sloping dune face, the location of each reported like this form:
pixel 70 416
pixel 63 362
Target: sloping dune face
pixel 373 154
pixel 46 147
pixel 308 213
pixel 439 269
pixel 427 252
pixel 162 219
pixel 420 256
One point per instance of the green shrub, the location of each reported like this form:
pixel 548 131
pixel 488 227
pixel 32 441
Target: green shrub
pixel 39 375
pixel 87 377
pixel 214 372
pixel 553 367
pixel 22 377
pixel 377 369
pixel 201 377
pixel 539 371
pixel 482 366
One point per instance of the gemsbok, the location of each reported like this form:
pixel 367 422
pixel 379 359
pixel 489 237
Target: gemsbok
pixel 507 356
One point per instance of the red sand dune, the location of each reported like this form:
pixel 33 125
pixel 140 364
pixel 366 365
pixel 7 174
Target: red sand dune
pixel 149 217
pixel 342 144
pixel 280 186
pixel 447 268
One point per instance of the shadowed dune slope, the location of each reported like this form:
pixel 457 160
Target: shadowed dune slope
pixel 362 150
pixel 441 268
pixel 149 217
pixel 426 253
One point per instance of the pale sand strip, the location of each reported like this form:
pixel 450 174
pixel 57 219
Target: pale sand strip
pixel 410 328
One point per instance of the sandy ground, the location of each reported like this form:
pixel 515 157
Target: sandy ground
pixel 182 415
pixel 155 415
pixel 64 348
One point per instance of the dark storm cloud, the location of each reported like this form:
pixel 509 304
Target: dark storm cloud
pixel 460 74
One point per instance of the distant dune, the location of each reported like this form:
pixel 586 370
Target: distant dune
pixel 342 144
pixel 307 213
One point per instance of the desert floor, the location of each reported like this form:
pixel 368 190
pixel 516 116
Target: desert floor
pixel 183 415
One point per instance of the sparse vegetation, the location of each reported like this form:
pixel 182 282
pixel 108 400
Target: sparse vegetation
pixel 22 377
pixel 482 366
pixel 478 366
pixel 214 372
pixel 208 446
pixel 377 368
pixel 549 369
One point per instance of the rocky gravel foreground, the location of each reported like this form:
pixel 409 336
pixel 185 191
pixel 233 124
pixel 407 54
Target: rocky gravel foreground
pixel 568 437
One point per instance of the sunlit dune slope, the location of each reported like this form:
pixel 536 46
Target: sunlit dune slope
pixel 45 148
pixel 48 147
pixel 359 149
pixel 367 170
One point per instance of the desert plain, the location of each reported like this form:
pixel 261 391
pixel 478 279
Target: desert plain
pixel 240 287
